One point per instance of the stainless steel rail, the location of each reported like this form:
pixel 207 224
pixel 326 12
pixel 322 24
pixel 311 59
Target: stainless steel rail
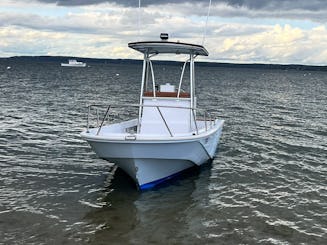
pixel 193 110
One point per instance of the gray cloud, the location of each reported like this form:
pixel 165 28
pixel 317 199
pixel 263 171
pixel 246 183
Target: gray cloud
pixel 273 5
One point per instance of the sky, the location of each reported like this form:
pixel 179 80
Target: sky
pixel 238 31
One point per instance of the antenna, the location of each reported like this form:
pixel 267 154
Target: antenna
pixel 205 28
pixel 139 19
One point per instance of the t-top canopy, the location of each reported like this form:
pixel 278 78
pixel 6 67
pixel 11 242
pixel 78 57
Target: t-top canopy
pixel 157 47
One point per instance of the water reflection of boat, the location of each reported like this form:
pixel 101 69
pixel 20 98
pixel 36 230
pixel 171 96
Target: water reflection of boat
pixel 74 63
pixel 131 217
pixel 170 134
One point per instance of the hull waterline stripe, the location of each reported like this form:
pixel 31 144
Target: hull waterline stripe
pixel 152 184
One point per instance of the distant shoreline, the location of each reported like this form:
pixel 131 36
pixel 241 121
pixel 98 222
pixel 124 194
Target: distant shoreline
pixel 60 59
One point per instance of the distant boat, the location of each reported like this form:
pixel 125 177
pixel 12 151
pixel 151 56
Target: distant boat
pixel 74 63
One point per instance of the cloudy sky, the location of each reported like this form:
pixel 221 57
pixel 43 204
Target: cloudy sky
pixel 238 31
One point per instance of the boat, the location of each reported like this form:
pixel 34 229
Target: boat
pixel 74 63
pixel 168 133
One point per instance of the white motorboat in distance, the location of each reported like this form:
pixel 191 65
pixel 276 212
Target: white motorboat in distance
pixel 74 63
pixel 168 134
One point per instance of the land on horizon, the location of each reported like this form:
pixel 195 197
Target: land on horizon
pixel 136 61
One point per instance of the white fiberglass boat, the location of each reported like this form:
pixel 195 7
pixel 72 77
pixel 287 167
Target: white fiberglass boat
pixel 169 135
pixel 74 63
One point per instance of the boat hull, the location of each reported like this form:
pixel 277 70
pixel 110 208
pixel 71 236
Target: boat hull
pixel 149 162
pixel 73 65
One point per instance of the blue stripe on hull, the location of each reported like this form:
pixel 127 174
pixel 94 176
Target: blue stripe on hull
pixel 152 184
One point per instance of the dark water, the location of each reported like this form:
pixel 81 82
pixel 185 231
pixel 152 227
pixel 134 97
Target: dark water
pixel 267 184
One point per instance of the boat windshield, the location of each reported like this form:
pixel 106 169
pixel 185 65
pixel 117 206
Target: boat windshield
pixel 163 75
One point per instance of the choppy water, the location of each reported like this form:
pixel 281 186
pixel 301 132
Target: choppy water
pixel 267 184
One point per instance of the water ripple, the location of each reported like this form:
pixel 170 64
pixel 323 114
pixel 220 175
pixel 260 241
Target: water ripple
pixel 267 184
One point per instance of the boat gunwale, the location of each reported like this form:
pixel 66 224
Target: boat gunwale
pixel 143 138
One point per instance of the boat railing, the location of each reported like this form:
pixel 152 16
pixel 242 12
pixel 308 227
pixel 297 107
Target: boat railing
pixel 94 111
